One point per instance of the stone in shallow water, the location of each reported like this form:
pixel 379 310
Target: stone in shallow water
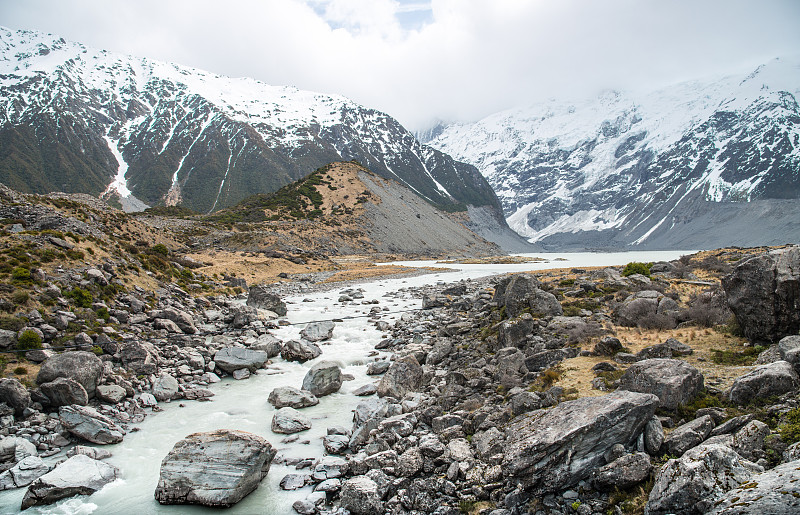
pixel 289 420
pixel 79 475
pixel 217 468
pixel 85 422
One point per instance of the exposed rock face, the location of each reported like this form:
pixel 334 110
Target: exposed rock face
pixel 764 381
pixel 83 367
pixel 553 449
pixel 688 435
pixel 217 468
pixel 324 378
pixel 87 423
pixel 764 294
pixel 260 298
pixel 63 392
pixel 789 350
pixel 138 357
pixel 776 491
pixel 231 359
pixel 672 380
pixel 14 448
pixel 318 331
pixel 693 483
pixel 79 475
pixel 110 393
pixel 13 393
pixel 404 375
pixel 284 396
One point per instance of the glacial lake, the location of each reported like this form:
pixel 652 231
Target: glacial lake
pixel 243 404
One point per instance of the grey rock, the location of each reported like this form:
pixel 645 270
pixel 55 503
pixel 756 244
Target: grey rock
pixel 673 381
pixel 110 393
pixel 488 443
pixel 776 491
pixel 732 425
pixel 624 472
pixel 514 333
pixel 284 396
pixel 521 292
pixel 318 331
pixel 549 358
pixel 13 448
pixel 293 481
pixel 404 375
pixel 693 483
pixel 83 367
pixel 330 467
pixel 294 350
pixel 260 297
pixel 63 392
pixel 79 475
pixel 688 435
pixel 230 359
pixel 608 346
pixel 13 393
pixel 269 344
pixel 377 368
pixel 749 440
pixel 548 450
pixel 653 436
pixel 165 388
pixel 85 422
pixel 139 358
pixel 217 468
pixel 335 444
pixel 359 495
pixel 789 349
pixel 96 453
pixel 166 325
pixel 240 373
pixel 324 378
pixel 304 507
pixel 7 339
pixel 763 292
pixel 365 390
pixel 289 420
pixel 669 349
pixel 431 446
pixel 764 381
pixel 25 472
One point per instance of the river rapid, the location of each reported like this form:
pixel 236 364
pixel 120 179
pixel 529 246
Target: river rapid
pixel 243 404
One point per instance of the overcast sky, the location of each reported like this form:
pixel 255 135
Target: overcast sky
pixel 420 60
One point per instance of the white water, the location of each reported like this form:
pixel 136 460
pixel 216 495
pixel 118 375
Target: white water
pixel 243 404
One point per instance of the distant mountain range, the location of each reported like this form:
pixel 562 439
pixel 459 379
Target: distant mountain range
pixel 696 165
pixel 76 119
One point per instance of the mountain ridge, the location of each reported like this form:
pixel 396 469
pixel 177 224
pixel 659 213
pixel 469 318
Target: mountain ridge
pixel 622 171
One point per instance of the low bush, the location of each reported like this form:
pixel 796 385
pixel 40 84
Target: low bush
pixel 29 340
pixel 789 429
pixel 635 267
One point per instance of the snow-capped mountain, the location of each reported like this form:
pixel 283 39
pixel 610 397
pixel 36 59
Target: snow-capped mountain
pixel 695 165
pixel 77 119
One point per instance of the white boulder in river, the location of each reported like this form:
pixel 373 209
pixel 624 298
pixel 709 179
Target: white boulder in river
pixel 79 475
pixel 217 469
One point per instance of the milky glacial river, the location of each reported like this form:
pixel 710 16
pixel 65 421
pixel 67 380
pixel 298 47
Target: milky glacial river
pixel 243 404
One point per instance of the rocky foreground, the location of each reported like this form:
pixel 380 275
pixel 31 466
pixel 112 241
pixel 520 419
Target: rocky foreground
pixel 473 413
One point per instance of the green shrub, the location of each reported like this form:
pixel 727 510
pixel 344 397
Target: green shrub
pixel 97 350
pixel 634 267
pixel 161 249
pixel 82 298
pixel 745 357
pixel 29 340
pixel 11 323
pixel 21 274
pixel 790 428
pixel 20 371
pixel 103 313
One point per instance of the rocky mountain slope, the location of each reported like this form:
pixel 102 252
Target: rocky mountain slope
pixel 695 165
pixel 77 119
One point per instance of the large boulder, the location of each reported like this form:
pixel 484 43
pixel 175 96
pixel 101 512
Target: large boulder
pixel 63 392
pixel 260 297
pixel 688 435
pixel 324 378
pixel 79 475
pixel 764 381
pixel 515 332
pixel 13 393
pixel 83 367
pixel 294 350
pixel 16 448
pixel 548 450
pixel 284 396
pixel 764 293
pixel 217 468
pixel 181 319
pixel 403 376
pixel 776 491
pixel 139 357
pixel 231 359
pixel 289 420
pixel 318 331
pixel 789 350
pixel 359 495
pixel 85 422
pixel 520 292
pixel 693 483
pixel 624 472
pixel 673 381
